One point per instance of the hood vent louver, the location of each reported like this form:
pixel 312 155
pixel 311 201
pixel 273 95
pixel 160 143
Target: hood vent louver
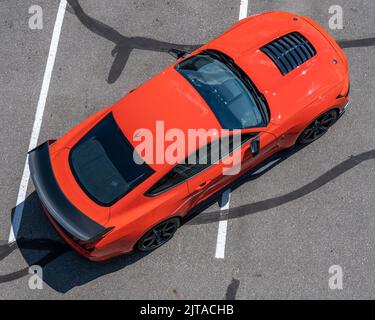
pixel 289 51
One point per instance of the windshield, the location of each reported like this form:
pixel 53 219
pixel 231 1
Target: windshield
pixel 103 163
pixel 233 101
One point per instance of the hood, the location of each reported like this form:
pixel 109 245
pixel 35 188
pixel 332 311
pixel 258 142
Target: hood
pixel 289 93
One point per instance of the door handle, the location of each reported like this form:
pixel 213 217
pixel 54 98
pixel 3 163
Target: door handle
pixel 203 185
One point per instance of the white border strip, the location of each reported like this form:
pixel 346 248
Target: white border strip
pixel 221 239
pixel 16 221
pixel 243 9
pixel 223 225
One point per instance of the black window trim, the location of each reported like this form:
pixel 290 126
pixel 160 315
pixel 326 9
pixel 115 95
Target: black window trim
pixel 252 135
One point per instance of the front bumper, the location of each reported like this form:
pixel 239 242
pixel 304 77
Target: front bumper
pixel 61 211
pixel 345 107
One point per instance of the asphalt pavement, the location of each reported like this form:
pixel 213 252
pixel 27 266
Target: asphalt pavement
pixel 274 249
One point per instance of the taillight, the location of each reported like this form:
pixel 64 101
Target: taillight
pixel 90 246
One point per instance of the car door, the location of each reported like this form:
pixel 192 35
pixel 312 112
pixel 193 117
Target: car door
pixel 189 183
pixel 221 170
pixel 252 149
pixel 258 149
pixel 206 183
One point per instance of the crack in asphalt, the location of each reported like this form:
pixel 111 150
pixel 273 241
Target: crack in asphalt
pixel 124 45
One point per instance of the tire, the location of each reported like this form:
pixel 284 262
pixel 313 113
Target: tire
pixel 318 127
pixel 158 235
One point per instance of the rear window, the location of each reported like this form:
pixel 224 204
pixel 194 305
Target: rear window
pixel 103 164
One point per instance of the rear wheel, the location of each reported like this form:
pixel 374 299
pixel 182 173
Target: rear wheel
pixel 158 235
pixel 318 127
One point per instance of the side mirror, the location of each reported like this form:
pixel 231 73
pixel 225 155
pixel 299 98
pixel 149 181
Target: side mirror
pixel 177 54
pixel 255 146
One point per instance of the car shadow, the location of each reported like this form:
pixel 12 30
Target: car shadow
pixel 195 217
pixel 63 268
pixel 39 244
pixel 123 45
pixel 263 205
pixel 356 43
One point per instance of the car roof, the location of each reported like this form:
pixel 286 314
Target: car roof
pixel 170 98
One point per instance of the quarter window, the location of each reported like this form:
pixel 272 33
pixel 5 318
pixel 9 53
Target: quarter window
pixel 196 163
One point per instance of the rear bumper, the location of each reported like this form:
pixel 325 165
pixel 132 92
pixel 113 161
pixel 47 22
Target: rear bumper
pixel 67 219
pixel 90 255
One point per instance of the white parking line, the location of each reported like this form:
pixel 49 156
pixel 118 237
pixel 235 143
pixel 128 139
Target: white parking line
pixel 16 221
pixel 225 201
pixel 243 9
pixel 223 224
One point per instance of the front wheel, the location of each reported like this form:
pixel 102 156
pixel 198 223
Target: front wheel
pixel 318 127
pixel 158 235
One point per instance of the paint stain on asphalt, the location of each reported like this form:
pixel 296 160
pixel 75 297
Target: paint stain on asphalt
pixel 177 294
pixel 232 289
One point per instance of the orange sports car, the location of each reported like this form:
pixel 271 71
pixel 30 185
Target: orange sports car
pixel 271 81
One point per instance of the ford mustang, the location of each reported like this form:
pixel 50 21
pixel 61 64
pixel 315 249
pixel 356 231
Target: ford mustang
pixel 271 81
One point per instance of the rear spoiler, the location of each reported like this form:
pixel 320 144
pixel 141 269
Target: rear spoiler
pixel 72 220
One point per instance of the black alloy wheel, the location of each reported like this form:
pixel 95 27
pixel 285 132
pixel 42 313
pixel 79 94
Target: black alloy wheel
pixel 158 235
pixel 318 127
